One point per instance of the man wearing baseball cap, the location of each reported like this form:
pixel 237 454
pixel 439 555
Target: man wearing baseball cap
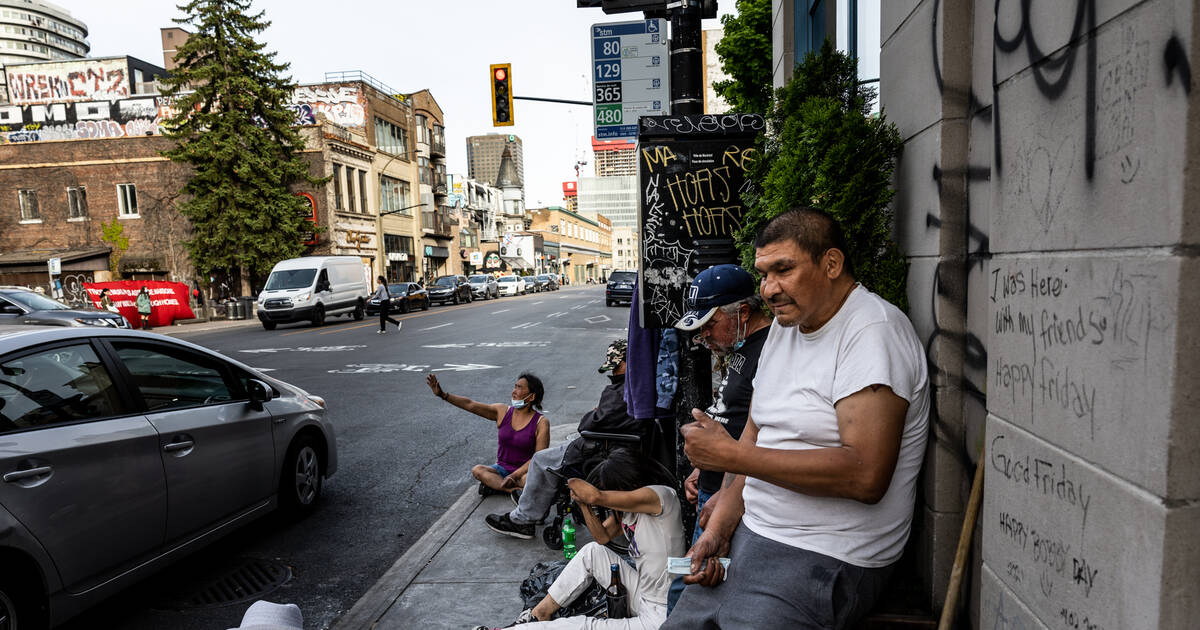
pixel 610 416
pixel 725 314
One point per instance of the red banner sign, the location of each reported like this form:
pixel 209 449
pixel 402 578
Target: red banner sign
pixel 168 300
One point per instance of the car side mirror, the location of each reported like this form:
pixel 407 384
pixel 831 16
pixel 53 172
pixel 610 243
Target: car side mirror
pixel 259 392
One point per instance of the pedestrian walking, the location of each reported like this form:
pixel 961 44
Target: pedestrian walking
pixel 144 307
pixel 385 303
pixel 106 302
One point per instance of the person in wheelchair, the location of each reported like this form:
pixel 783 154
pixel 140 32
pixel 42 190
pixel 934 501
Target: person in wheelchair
pixel 610 416
pixel 625 493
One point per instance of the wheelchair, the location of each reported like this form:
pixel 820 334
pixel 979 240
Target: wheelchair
pixel 594 449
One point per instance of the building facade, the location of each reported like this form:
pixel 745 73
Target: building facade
pixel 1052 262
pixel 625 252
pixel 33 31
pixel 584 244
pixel 614 157
pixel 484 155
pixel 614 197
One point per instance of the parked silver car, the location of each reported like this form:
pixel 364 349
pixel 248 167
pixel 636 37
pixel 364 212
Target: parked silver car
pixel 123 451
pixel 22 306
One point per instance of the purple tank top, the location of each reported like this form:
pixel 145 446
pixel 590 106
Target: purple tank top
pixel 516 447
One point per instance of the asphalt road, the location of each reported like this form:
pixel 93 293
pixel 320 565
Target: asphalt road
pixel 404 455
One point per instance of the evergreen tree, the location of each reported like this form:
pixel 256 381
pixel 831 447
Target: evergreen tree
pixel 235 131
pixel 824 149
pixel 745 52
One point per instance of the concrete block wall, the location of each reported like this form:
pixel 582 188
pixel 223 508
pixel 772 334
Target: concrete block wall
pixel 1054 139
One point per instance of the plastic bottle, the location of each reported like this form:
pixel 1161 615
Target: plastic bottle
pixel 568 537
pixel 615 596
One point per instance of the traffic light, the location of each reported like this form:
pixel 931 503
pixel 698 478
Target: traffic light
pixel 502 109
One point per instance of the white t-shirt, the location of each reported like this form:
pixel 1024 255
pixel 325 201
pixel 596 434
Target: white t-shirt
pixel 800 378
pixel 653 537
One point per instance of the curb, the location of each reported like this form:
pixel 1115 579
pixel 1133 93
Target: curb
pixel 374 604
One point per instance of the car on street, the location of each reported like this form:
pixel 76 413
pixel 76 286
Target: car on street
pixel 450 289
pixel 548 281
pixel 312 287
pixel 126 450
pixel 511 285
pixel 406 296
pixel 484 286
pixel 19 305
pixel 619 287
pixel 536 284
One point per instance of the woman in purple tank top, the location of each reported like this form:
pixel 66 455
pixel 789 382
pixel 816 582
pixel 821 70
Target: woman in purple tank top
pixel 522 432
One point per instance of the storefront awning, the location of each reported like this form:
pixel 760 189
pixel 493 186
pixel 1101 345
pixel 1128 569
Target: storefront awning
pixel 516 263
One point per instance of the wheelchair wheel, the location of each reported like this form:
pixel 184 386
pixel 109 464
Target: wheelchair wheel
pixel 552 534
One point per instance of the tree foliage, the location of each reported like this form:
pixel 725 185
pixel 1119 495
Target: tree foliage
pixel 745 52
pixel 235 131
pixel 824 149
pixel 114 234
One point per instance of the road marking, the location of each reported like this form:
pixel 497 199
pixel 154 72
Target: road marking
pixel 438 326
pixel 322 331
pixel 558 314
pixel 385 368
pixel 503 310
pixel 491 344
pixel 596 319
pixel 527 325
pixel 539 301
pixel 576 308
pixel 303 349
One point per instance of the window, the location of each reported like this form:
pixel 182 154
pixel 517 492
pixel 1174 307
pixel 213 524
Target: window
pixel 63 384
pixel 362 192
pixel 174 378
pixel 398 244
pixel 422 129
pixel 350 190
pixel 29 205
pixel 393 196
pixel 77 202
pixel 426 172
pixel 127 200
pixel 337 186
pixel 391 138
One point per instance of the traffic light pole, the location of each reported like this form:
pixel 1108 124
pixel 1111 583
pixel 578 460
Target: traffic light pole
pixel 687 95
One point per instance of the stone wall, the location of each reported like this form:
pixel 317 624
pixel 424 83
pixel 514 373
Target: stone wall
pixel 1045 200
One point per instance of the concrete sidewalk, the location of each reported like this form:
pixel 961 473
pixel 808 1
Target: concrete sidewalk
pixel 460 574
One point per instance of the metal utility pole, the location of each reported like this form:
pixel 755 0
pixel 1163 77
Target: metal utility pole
pixel 687 94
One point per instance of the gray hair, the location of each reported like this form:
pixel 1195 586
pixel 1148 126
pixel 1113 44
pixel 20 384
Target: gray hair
pixel 755 301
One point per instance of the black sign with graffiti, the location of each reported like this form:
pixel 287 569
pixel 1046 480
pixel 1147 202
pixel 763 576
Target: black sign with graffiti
pixel 691 173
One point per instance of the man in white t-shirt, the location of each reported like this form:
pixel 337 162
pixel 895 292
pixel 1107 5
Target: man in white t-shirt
pixel 823 479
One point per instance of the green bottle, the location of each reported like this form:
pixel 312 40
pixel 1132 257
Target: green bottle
pixel 568 537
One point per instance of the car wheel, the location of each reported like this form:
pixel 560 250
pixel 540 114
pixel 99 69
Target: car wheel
pixel 609 302
pixel 404 307
pixel 21 604
pixel 267 325
pixel 425 305
pixel 318 316
pixel 300 482
pixel 456 300
pixel 360 313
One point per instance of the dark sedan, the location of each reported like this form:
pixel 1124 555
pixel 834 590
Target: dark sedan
pixel 406 296
pixel 620 287
pixel 453 289
pixel 548 282
pixel 537 284
pixel 22 306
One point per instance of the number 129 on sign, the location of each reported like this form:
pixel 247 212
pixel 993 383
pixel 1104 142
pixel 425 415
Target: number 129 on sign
pixel 609 114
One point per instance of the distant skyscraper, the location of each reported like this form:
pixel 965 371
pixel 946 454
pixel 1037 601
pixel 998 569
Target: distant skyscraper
pixel 615 197
pixel 614 157
pixel 483 157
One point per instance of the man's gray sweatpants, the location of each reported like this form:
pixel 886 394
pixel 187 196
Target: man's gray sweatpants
pixel 538 495
pixel 773 585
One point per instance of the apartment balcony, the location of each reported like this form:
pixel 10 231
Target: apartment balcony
pixel 437 224
pixel 437 148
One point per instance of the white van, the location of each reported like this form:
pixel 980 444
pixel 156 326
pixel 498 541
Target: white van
pixel 312 288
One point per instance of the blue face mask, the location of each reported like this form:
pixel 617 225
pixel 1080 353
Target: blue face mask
pixel 517 403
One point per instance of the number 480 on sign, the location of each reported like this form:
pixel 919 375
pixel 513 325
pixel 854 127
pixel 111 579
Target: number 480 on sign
pixel 609 114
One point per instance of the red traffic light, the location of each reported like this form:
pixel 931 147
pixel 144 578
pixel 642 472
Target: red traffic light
pixel 501 74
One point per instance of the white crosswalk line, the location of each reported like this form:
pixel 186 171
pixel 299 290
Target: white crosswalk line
pixel 503 310
pixel 438 326
pixel 558 314
pixel 527 325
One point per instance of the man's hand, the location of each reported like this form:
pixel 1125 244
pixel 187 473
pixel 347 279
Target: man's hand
pixel 707 444
pixel 508 483
pixel 691 490
pixel 707 510
pixel 706 570
pixel 583 491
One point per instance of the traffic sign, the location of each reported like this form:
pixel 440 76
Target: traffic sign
pixel 631 73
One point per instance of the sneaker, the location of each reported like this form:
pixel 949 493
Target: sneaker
pixel 398 325
pixel 502 524
pixel 382 332
pixel 515 495
pixel 485 491
pixel 526 616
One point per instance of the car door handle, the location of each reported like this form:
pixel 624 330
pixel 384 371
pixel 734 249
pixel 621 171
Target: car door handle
pixel 179 446
pixel 18 475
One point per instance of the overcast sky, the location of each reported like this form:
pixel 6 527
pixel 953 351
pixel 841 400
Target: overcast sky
pixel 443 45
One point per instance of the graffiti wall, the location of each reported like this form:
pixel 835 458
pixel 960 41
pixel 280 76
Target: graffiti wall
pixel 77 80
pixel 1044 197
pixel 140 116
pixel 341 104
